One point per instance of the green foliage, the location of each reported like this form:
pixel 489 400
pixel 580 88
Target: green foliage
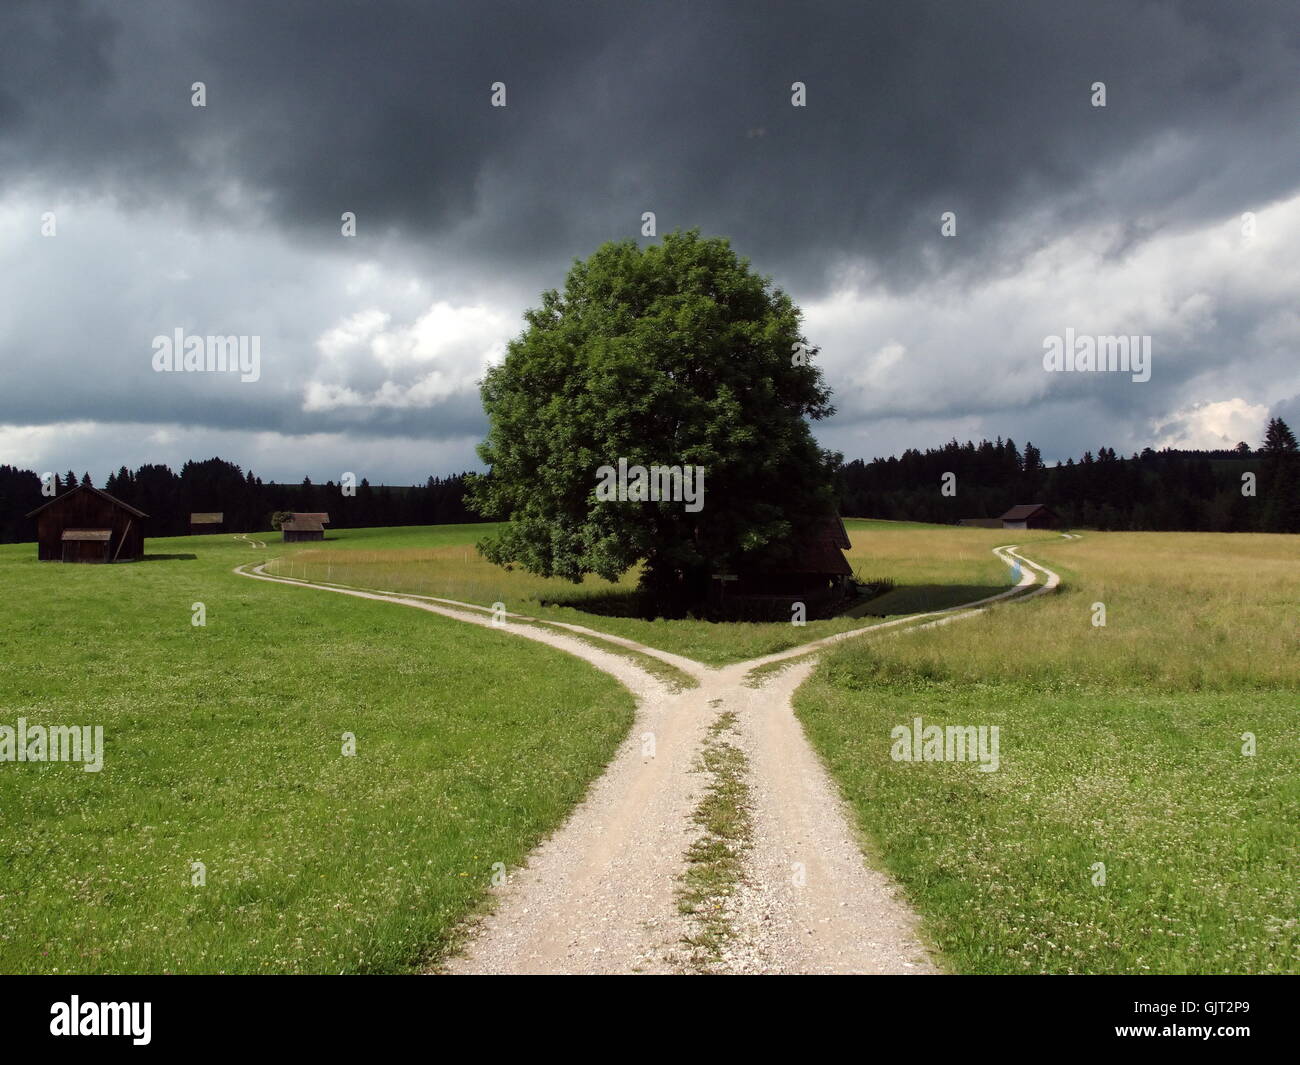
pixel 673 354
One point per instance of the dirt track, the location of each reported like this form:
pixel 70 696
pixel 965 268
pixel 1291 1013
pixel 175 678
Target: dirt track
pixel 600 895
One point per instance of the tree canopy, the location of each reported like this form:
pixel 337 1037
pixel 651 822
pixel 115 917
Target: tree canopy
pixel 674 354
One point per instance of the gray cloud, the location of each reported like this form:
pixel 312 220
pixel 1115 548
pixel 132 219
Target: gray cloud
pixel 982 108
pixel 615 109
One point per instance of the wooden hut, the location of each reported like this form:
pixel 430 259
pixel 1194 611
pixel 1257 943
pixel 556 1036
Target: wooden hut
pixel 1030 516
pixel 324 519
pixel 86 524
pixel 207 522
pixel 813 572
pixel 299 528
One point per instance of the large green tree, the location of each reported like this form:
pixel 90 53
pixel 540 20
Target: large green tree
pixel 673 354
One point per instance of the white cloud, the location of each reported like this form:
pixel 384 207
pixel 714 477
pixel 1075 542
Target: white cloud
pixel 462 340
pixel 1213 425
pixel 352 333
pixel 30 446
pixel 273 456
pixel 1220 309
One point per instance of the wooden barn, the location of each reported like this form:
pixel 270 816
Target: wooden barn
pixel 300 527
pixel 814 573
pixel 1030 516
pixel 211 521
pixel 86 524
pixel 324 519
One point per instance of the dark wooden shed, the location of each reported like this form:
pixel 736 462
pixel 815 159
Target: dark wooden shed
pixel 1030 516
pixel 207 522
pixel 814 572
pixel 86 524
pixel 301 528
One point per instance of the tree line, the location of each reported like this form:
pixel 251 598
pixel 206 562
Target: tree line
pixel 245 501
pixel 1237 490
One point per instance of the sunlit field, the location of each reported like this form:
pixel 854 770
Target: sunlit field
pixel 1122 755
pixel 1125 830
pixel 932 566
pixel 223 745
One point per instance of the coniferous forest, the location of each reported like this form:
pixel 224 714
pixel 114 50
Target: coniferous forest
pixel 1168 490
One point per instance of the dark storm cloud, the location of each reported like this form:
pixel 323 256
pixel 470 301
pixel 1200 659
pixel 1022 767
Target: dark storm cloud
pixel 225 219
pixel 682 109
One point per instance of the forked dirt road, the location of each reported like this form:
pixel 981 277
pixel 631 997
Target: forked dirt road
pixel 601 894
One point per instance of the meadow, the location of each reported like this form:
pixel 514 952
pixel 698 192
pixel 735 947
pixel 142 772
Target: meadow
pixel 223 745
pixel 1127 829
pixel 932 567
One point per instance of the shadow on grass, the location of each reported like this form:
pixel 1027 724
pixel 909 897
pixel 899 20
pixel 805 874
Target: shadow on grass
pixel 621 604
pixel 168 558
pixel 921 598
pixel 904 599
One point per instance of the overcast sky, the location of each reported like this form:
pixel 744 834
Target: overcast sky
pixel 225 219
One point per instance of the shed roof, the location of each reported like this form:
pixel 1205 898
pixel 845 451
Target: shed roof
pixel 831 528
pixel 207 518
pixel 812 555
pixel 89 488
pixel 301 524
pixel 324 519
pixel 1023 510
pixel 103 535
pixel 817 545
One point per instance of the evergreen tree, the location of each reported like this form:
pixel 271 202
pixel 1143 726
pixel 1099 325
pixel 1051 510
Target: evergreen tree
pixel 1280 479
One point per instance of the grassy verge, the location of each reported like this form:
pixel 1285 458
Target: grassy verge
pixel 715 861
pixel 674 679
pixel 759 675
pixel 224 745
pixel 1122 753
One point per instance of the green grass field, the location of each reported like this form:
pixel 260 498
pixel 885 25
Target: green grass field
pixel 943 567
pixel 1120 745
pixel 223 745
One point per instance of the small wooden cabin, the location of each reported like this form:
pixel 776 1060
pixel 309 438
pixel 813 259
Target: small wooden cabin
pixel 1030 516
pixel 324 519
pixel 814 572
pixel 86 524
pixel 207 522
pixel 300 527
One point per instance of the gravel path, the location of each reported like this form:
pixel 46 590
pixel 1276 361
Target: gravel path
pixel 599 896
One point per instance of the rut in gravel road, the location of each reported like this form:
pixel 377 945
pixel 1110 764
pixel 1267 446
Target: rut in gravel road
pixel 601 895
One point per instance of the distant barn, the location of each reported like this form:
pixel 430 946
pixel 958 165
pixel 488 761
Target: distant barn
pixel 324 519
pixel 86 524
pixel 300 527
pixel 207 522
pixel 1030 516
